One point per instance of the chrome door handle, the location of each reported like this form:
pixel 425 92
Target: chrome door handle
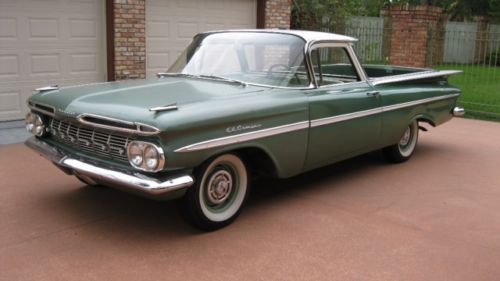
pixel 373 93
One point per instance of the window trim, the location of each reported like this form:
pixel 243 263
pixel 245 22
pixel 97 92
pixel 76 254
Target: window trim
pixel 352 57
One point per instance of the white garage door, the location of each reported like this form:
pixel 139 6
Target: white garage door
pixel 46 42
pixel 170 25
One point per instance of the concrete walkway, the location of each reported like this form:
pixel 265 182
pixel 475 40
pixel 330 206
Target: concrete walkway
pixel 436 217
pixel 13 132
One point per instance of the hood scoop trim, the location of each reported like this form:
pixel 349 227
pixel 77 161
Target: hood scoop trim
pixel 42 108
pixel 117 125
pixel 46 89
pixel 167 107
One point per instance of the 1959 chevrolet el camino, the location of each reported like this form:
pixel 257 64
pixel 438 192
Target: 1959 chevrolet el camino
pixel 234 104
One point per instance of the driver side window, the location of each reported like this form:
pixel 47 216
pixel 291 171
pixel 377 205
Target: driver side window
pixel 332 65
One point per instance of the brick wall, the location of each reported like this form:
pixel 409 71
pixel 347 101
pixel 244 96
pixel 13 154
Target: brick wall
pixel 277 14
pixel 415 30
pixel 129 39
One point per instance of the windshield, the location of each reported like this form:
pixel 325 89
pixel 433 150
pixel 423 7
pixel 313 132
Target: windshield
pixel 256 58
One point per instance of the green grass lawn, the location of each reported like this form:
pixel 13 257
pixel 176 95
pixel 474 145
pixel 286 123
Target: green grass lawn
pixel 480 87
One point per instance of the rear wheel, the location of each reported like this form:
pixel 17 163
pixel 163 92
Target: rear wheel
pixel 403 150
pixel 219 193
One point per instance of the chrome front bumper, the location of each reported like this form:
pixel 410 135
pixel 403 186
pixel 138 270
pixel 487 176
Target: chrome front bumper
pixel 134 182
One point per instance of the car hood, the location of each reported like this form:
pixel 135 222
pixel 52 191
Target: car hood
pixel 131 100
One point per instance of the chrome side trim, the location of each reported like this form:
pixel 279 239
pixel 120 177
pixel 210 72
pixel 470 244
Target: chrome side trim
pixel 138 128
pixel 344 117
pixel 417 102
pixel 134 182
pixel 413 76
pixel 303 125
pixel 358 114
pixel 244 137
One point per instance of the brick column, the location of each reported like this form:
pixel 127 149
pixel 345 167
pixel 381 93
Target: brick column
pixel 414 34
pixel 277 14
pixel 129 39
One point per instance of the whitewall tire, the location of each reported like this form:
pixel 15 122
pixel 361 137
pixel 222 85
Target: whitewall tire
pixel 403 150
pixel 220 190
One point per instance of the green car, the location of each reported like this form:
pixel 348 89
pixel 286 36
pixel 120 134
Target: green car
pixel 236 104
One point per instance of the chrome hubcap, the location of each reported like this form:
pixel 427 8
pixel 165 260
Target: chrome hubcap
pixel 219 187
pixel 405 139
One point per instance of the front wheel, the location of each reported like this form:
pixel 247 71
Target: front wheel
pixel 219 193
pixel 403 150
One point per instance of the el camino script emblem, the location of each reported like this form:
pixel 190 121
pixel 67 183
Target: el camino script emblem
pixel 67 113
pixel 242 128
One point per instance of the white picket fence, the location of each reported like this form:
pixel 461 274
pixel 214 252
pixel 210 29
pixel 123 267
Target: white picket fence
pixel 460 42
pixel 370 33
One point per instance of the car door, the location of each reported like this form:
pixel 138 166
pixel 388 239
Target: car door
pixel 344 109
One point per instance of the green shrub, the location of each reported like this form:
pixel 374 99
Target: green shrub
pixel 493 58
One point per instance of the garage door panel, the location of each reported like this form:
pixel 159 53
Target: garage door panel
pixel 83 28
pixel 185 30
pixel 8 28
pixel 158 29
pixel 44 42
pixel 9 66
pixel 43 28
pixel 190 4
pixel 14 102
pixel 170 25
pixel 45 64
pixel 214 26
pixel 10 101
pixel 83 63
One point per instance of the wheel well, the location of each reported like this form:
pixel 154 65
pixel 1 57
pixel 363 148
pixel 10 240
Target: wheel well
pixel 426 120
pixel 258 161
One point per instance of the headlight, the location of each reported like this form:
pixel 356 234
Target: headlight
pixel 34 124
pixel 145 156
pixel 135 154
pixel 151 157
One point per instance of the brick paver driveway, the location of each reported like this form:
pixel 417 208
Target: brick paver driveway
pixel 436 217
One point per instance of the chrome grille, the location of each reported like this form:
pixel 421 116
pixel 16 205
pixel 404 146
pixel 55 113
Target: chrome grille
pixel 90 140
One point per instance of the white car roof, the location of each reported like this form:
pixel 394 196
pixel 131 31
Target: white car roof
pixel 307 35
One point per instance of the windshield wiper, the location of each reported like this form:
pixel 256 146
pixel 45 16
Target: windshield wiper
pixel 229 80
pixel 172 74
pixel 208 77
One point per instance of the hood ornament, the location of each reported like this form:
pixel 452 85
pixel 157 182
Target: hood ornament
pixel 167 107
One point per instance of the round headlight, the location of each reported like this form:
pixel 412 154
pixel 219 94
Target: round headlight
pixel 151 157
pixel 145 156
pixel 34 124
pixel 135 154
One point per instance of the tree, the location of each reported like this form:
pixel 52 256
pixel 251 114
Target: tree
pixel 458 10
pixel 332 14
pixel 314 14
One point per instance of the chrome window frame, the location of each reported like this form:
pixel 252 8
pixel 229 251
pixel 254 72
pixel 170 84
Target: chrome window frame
pixel 313 45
